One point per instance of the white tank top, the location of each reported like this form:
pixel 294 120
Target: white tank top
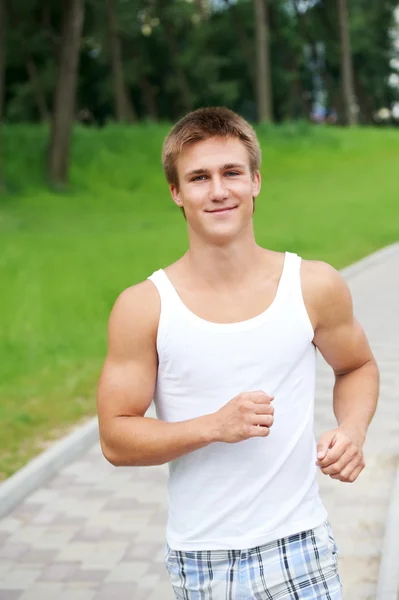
pixel 242 495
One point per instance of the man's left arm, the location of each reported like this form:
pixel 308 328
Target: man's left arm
pixel 343 343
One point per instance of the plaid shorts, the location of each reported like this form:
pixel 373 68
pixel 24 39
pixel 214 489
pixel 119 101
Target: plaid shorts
pixel 297 567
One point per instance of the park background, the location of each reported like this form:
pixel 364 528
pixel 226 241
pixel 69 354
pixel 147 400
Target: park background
pixel 88 92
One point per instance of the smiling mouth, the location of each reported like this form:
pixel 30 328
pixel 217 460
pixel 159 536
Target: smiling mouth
pixel 222 210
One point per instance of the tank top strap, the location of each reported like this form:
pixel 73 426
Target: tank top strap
pixel 290 281
pixel 165 288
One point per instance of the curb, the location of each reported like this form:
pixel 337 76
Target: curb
pixel 41 468
pixel 47 464
pixel 388 576
pixel 373 260
pixel 388 580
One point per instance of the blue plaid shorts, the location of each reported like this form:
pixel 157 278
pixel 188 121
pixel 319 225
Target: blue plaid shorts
pixel 297 567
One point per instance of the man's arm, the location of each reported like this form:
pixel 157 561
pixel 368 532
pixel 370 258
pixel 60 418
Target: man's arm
pixel 343 343
pixel 126 388
pixel 127 385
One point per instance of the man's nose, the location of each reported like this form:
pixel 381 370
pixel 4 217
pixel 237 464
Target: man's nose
pixel 218 190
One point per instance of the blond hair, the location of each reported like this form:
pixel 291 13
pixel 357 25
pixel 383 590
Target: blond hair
pixel 202 124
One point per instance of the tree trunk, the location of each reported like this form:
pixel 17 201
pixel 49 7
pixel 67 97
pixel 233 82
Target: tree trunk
pixel 124 110
pixel 264 95
pixel 244 42
pixel 64 102
pixel 366 112
pixel 186 100
pixel 348 91
pixel 38 93
pixel 149 92
pixel 2 78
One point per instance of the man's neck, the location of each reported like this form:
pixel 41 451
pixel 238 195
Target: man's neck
pixel 224 266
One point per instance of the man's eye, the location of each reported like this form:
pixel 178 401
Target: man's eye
pixel 232 173
pixel 198 178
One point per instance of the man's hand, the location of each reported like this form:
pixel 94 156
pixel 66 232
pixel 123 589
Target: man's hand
pixel 248 415
pixel 340 454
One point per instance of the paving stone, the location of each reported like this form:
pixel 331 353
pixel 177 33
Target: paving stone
pixel 119 591
pixel 91 575
pixel 13 549
pixel 19 578
pixel 163 591
pixel 128 571
pixel 59 571
pixel 73 593
pixel 5 565
pixel 10 524
pixel 45 517
pixel 36 556
pixel 27 510
pixel 25 535
pixel 43 591
pixel 105 555
pixel 77 551
pixel 10 594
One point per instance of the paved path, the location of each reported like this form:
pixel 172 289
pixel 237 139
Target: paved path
pixel 97 532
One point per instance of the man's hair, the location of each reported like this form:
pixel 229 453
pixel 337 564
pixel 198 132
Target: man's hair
pixel 203 124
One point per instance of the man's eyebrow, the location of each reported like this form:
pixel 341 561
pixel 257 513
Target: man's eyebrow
pixel 233 166
pixel 196 172
pixel 223 168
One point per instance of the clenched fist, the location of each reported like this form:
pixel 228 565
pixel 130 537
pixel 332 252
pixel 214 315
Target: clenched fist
pixel 340 454
pixel 248 415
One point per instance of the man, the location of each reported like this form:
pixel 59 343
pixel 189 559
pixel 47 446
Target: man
pixel 225 342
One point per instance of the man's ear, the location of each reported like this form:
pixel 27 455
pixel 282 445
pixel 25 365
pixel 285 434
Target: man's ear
pixel 175 195
pixel 256 184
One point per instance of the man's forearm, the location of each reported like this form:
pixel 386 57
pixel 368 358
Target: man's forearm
pixel 143 441
pixel 356 396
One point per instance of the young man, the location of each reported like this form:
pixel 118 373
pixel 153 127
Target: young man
pixel 225 342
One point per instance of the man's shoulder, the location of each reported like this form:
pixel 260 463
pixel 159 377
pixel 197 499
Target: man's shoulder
pixel 324 288
pixel 137 307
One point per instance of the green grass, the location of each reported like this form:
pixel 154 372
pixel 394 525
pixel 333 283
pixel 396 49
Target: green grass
pixel 327 193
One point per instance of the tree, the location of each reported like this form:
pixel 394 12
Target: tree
pixel 123 106
pixel 64 101
pixel 348 91
pixel 167 14
pixel 244 41
pixel 264 87
pixel 2 82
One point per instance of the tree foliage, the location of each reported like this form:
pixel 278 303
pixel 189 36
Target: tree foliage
pixel 177 55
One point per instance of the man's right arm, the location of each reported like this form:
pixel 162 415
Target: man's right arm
pixel 127 386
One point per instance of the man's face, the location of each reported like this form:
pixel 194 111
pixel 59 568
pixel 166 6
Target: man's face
pixel 216 188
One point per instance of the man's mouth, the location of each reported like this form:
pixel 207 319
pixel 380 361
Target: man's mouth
pixel 222 210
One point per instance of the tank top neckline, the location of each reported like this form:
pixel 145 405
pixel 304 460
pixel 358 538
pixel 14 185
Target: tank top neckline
pixel 236 325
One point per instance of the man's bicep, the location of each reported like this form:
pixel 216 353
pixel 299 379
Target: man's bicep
pixel 339 335
pixel 127 382
pixel 125 388
pixel 344 347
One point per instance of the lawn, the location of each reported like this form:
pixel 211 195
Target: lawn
pixel 330 194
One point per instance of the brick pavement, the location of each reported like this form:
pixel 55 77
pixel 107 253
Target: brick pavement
pixel 95 532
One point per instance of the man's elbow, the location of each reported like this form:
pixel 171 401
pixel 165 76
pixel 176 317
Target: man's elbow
pixel 120 458
pixel 114 456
